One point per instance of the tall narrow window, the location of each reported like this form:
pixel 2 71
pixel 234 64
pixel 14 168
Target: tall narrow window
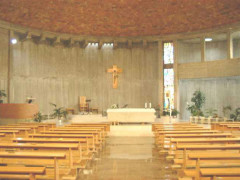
pixel 168 76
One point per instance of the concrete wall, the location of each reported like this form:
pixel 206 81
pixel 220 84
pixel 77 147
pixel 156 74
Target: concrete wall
pixel 219 92
pixel 3 60
pixel 61 74
pixel 189 52
pixel 216 50
pixel 236 48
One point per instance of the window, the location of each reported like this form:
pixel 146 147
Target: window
pixel 168 76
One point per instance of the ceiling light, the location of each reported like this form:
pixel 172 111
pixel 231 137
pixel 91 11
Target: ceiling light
pixel 208 39
pixel 14 41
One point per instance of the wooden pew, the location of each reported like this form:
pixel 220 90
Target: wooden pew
pixel 78 141
pixel 191 134
pixel 213 173
pixel 177 141
pixel 10 131
pixel 105 125
pixel 33 128
pixel 50 146
pixel 21 130
pixel 11 172
pixel 210 159
pixel 223 126
pixel 96 135
pixel 89 137
pixel 35 157
pixel 103 133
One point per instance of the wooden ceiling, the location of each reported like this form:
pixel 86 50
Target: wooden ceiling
pixel 121 17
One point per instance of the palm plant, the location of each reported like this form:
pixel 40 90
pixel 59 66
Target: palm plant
pixel 38 117
pixel 58 111
pixel 2 94
pixel 236 115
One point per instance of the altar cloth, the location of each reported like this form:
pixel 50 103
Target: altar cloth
pixel 131 115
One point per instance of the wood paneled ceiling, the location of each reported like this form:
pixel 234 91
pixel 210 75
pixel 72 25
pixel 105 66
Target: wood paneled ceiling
pixel 121 17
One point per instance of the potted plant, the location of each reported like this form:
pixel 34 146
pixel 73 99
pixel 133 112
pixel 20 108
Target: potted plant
pixel 38 117
pixel 2 94
pixel 175 113
pixel 198 101
pixel 236 115
pixel 157 109
pixel 59 112
pixel 226 111
pixel 211 113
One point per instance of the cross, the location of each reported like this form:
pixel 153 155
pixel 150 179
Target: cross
pixel 115 70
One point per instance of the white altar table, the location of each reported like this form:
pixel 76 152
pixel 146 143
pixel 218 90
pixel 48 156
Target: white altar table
pixel 131 115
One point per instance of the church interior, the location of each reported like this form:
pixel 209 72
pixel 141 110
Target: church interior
pixel 120 90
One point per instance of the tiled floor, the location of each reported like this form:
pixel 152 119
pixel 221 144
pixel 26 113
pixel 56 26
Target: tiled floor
pixel 129 158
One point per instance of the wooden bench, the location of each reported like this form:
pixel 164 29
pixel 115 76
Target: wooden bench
pixel 98 129
pixel 11 172
pixel 21 130
pixel 213 173
pixel 96 135
pixel 33 128
pixel 35 157
pixel 161 140
pixel 78 141
pixel 53 146
pixel 89 137
pixel 177 141
pixel 105 125
pixel 12 132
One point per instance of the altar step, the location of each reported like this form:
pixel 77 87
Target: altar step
pixel 131 130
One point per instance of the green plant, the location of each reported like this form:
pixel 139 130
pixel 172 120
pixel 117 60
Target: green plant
pixel 236 115
pixel 226 110
pixel 157 109
pixel 38 117
pixel 114 106
pixel 175 112
pixel 198 101
pixel 58 112
pixel 211 112
pixel 2 93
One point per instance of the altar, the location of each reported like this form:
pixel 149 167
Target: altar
pixel 136 115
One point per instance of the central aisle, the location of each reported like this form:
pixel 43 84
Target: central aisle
pixel 129 158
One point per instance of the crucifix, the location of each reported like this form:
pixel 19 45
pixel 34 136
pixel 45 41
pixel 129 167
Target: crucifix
pixel 115 71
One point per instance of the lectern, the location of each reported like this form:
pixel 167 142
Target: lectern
pixel 12 113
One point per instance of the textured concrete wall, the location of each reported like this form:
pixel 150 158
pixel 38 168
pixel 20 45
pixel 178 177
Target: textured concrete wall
pixel 236 48
pixel 219 92
pixel 219 68
pixel 61 74
pixel 189 52
pixel 3 60
pixel 216 50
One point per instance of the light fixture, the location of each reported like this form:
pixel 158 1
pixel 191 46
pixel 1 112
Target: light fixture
pixel 208 39
pixel 14 41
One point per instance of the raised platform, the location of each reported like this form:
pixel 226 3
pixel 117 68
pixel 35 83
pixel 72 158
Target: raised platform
pixel 90 118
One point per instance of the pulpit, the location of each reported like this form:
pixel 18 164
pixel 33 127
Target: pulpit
pixel 12 113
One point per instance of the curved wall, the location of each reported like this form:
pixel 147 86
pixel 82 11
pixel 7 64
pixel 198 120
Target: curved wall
pixel 60 73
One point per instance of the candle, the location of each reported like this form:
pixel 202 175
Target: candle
pixel 145 105
pixel 150 105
